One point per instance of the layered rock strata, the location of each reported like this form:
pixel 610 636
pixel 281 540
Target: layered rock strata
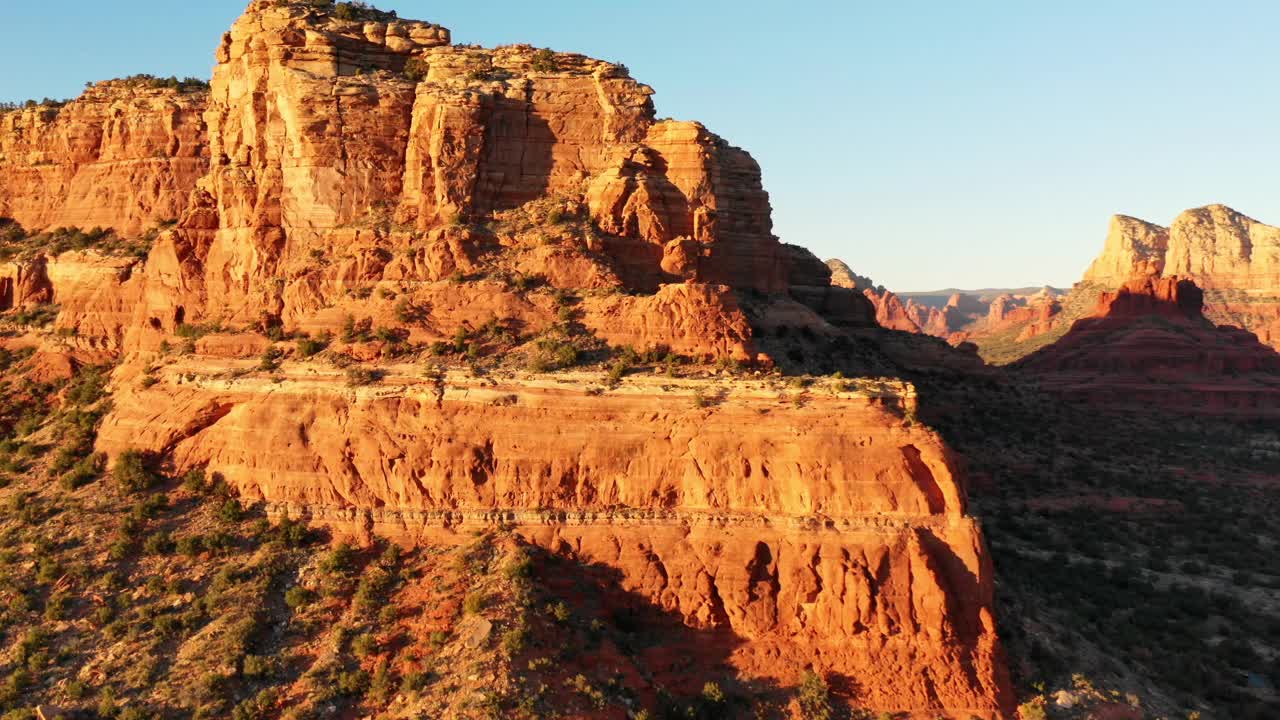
pixel 826 532
pixel 367 173
pixel 1147 344
pixel 123 155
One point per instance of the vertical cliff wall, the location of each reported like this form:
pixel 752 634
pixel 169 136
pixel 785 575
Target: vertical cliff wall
pixel 124 155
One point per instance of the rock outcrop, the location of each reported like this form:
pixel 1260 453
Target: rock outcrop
pixel 1133 248
pixel 1147 344
pixel 1234 258
pixel 373 189
pixel 828 532
pixel 124 155
pixel 1222 249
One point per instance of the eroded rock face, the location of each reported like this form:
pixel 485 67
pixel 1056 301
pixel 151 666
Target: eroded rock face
pixel 1133 248
pixel 371 173
pixel 123 155
pixel 1222 249
pixel 830 533
pixel 1233 257
pixel 315 130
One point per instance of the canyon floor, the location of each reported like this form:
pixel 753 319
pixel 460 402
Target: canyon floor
pixel 1135 551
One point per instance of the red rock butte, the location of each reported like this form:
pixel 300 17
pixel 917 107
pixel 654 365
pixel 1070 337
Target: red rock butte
pixel 342 172
pixel 1148 345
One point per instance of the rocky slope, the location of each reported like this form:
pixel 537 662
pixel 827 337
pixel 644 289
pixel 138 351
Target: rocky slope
pixel 366 315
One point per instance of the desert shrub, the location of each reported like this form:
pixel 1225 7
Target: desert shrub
pixel 158 543
pixel 308 347
pixel 36 315
pixel 1033 710
pixel 414 681
pixel 474 603
pixel 544 60
pixel 76 690
pixel 189 545
pixel 359 376
pixel 814 697
pixel 193 481
pixel 356 331
pixel 355 682
pixel 416 69
pixel 292 533
pixel 520 566
pixel 584 687
pixel 618 370
pixel 258 666
pixel 515 639
pixel 382 684
pixel 56 607
pixel 560 611
pixel 168 625
pixel 551 353
pixel 231 511
pixel 88 387
pixel 364 645
pixel 338 560
pixel 373 586
pixel 122 548
pixel 712 693
pixel 84 472
pixel 298 597
pixel 270 359
pixel 131 472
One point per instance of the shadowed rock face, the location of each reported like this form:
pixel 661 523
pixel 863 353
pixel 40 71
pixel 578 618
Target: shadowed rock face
pixel 821 528
pixel 1148 344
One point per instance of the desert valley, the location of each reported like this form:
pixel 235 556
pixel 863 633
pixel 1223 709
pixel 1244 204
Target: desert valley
pixel 382 376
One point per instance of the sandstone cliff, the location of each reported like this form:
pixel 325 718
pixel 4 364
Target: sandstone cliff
pixel 827 532
pixel 1133 248
pixel 124 155
pixel 1233 257
pixel 379 204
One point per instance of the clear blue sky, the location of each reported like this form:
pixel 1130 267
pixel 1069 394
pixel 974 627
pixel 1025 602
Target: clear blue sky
pixel 928 144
